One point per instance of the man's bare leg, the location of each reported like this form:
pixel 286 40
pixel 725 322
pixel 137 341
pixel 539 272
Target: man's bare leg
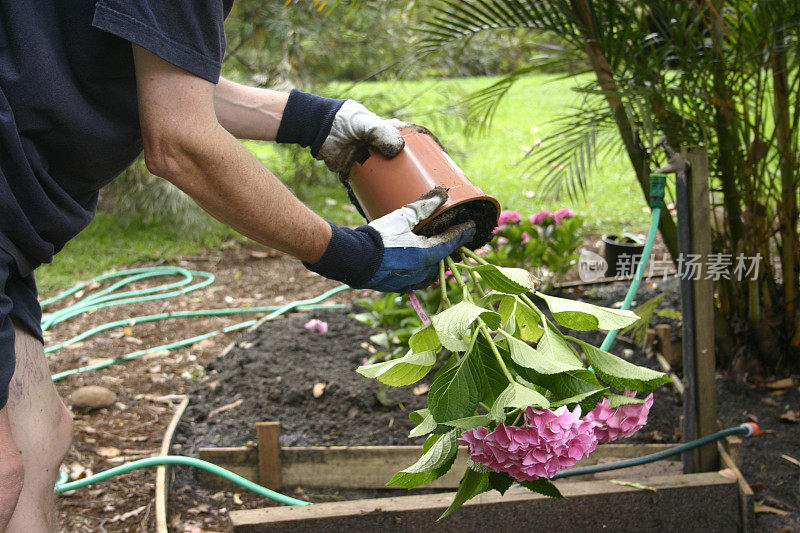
pixel 41 428
pixel 11 473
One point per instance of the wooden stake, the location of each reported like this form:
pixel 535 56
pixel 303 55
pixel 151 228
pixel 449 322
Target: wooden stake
pixel 269 454
pixel 700 405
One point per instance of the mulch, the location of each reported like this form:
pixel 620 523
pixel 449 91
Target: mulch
pixel 247 275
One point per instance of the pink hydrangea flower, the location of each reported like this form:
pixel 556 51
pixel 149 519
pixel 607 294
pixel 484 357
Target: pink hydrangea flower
pixel 539 217
pixel 508 216
pixel 316 325
pixel 526 237
pixel 622 422
pixel 561 214
pixel 549 441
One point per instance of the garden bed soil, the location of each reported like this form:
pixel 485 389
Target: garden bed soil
pixel 274 369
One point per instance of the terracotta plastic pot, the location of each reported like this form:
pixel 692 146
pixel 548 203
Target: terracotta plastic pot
pixel 382 185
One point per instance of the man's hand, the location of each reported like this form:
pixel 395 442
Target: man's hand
pixel 354 129
pixel 386 255
pixel 337 131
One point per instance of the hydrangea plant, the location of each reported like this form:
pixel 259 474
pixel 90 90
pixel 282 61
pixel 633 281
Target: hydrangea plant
pixel 514 388
pixel 546 241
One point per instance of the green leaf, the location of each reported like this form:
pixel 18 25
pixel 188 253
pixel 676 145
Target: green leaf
pixel 516 395
pixel 406 370
pixel 553 346
pixel 425 340
pixel 619 373
pixel 574 387
pixel 468 422
pixel 527 356
pixel 507 280
pixel 632 484
pixel 456 392
pixel 472 484
pixel 542 486
pixel 500 481
pixel 507 309
pixel 424 426
pixel 585 316
pixel 453 323
pixel 616 400
pixel 528 322
pixel 493 381
pixel 526 397
pixel 418 416
pixel 433 464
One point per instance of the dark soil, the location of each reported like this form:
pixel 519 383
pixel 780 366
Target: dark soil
pixel 275 369
pixel 482 212
pixel 246 275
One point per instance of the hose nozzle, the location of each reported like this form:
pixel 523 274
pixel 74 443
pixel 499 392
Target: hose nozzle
pixel 675 162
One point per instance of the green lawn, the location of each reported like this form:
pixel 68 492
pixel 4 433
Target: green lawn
pixel 613 203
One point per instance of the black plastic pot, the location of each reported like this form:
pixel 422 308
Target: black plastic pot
pixel 621 253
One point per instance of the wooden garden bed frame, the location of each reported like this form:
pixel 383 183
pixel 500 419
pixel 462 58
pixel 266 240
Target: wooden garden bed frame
pixel 711 501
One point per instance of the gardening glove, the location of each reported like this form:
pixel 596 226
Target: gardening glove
pixel 338 131
pixel 386 255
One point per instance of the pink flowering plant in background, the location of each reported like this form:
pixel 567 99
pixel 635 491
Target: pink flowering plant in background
pixel 526 399
pixel 545 241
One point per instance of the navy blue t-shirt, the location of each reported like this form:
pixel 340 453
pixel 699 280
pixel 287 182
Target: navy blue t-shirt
pixel 68 111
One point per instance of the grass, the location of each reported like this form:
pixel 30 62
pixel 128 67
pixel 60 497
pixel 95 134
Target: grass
pixel 108 245
pixel 613 203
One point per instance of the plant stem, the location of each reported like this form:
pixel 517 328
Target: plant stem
pixel 443 299
pixel 524 298
pixel 456 272
pixel 477 282
pixel 485 330
pixel 469 253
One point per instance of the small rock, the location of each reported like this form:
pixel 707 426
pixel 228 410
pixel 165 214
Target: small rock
pixel 92 397
pixel 318 389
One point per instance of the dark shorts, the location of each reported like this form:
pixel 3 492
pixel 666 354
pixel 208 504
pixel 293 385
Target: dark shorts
pixel 17 299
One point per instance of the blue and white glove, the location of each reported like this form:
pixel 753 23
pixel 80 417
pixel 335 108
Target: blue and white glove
pixel 337 131
pixel 386 255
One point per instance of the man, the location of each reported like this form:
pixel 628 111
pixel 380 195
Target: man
pixel 85 85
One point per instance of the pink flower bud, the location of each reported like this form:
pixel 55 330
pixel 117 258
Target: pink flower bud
pixel 622 422
pixel 526 237
pixel 316 325
pixel 539 217
pixel 508 216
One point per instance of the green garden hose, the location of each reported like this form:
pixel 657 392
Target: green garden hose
pixel 748 429
pixel 180 460
pixel 110 297
pixel 657 183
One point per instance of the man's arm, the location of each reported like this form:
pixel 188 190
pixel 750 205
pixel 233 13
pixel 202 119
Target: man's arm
pixel 249 112
pixel 185 144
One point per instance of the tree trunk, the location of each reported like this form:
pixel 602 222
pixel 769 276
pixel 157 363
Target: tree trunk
pixel 636 152
pixel 786 167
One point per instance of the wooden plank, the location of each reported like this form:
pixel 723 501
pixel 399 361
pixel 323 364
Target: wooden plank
pixel 746 494
pixel 704 390
pixel 269 454
pixel 365 466
pixel 162 488
pixel 242 460
pixel 589 506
